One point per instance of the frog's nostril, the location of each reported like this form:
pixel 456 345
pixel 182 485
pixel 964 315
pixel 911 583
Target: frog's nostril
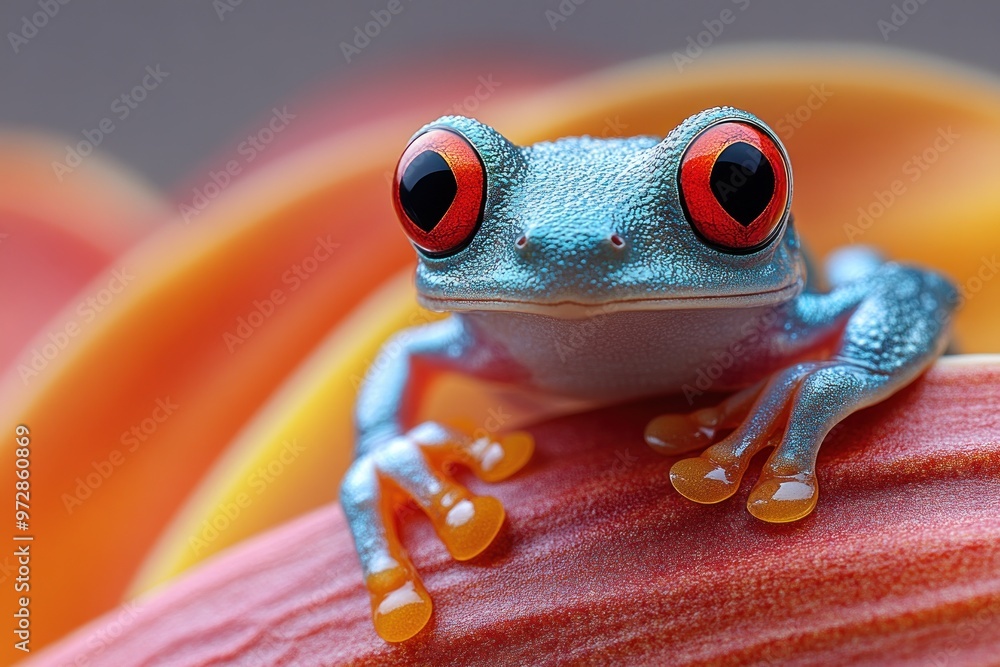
pixel 569 245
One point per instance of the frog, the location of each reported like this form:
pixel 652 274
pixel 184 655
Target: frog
pixel 674 266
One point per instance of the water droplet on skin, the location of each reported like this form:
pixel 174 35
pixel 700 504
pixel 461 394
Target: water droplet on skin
pixel 793 491
pixel 719 475
pixel 402 596
pixel 703 480
pixel 778 500
pixel 492 456
pixel 460 514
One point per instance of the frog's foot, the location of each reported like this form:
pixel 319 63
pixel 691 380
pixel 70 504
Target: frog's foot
pixel 806 400
pixel 410 466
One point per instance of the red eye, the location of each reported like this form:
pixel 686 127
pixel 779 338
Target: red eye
pixel 439 191
pixel 734 186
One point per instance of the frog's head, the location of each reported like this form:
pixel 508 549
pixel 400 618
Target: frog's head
pixel 699 219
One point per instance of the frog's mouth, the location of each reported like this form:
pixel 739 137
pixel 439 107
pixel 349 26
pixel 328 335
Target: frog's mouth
pixel 577 309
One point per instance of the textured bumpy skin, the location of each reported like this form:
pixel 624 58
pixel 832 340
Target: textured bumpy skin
pixel 586 277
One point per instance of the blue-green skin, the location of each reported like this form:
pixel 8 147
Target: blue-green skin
pixel 569 311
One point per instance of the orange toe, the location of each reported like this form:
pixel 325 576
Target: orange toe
pixel 499 460
pixel 674 434
pixel 401 606
pixel 703 480
pixel 783 499
pixel 469 526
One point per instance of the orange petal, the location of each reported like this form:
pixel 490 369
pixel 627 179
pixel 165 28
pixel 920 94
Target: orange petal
pixel 600 558
pixel 56 234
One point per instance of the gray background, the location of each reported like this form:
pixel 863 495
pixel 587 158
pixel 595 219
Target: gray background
pixel 225 74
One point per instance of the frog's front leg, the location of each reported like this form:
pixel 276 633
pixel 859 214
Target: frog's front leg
pixel 393 464
pixel 896 325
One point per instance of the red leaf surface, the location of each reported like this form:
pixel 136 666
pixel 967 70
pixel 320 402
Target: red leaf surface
pixel 601 561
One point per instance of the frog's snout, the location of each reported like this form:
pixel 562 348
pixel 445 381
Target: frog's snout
pixel 569 247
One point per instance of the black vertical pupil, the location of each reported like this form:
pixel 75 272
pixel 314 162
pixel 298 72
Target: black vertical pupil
pixel 742 181
pixel 427 189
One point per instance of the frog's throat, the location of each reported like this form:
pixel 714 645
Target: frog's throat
pixel 577 309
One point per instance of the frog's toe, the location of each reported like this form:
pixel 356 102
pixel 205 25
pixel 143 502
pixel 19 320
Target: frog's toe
pixel 470 526
pixel 716 474
pixel 704 480
pixel 672 434
pixel 678 433
pixel 401 606
pixel 491 458
pixel 804 401
pixel 780 499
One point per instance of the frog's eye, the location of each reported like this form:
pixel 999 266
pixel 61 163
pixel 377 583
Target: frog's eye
pixel 734 186
pixel 439 190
